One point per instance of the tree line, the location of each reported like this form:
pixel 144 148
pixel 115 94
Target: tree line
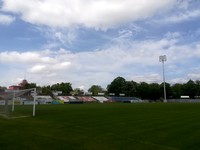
pixel 143 90
pixel 154 91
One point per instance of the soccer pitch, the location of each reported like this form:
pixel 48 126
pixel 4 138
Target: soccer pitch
pixel 116 126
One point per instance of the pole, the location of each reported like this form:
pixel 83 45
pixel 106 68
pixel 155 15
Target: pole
pixel 165 99
pixel 34 97
pixel 162 59
pixel 13 102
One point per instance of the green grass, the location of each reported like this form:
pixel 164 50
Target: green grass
pixel 152 126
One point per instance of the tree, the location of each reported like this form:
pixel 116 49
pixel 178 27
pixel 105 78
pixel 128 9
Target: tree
pixel 130 88
pixel 3 88
pixel 77 92
pixel 46 90
pixel 95 89
pixel 29 86
pixel 117 86
pixel 66 88
pixel 168 89
pixel 143 90
pixel 177 90
pixel 190 89
pixel 198 87
pixel 154 91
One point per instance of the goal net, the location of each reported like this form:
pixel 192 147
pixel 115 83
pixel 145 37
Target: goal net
pixel 17 103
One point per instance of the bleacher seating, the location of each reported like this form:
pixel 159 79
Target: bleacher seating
pixel 86 98
pixel 101 99
pixel 43 99
pixel 64 98
pixel 124 99
pixel 184 100
pixel 69 99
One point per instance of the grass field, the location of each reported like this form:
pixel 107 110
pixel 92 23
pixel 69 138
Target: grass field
pixel 152 126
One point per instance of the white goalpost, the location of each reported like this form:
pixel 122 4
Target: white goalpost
pixel 10 98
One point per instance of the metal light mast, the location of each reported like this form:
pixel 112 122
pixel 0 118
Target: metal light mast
pixel 162 59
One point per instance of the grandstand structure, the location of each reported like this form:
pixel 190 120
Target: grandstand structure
pixel 183 100
pixel 86 98
pixel 43 99
pixel 125 99
pixel 76 99
pixel 68 99
pixel 100 99
pixel 57 99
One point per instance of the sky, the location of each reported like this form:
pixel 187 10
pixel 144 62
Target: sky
pixel 91 42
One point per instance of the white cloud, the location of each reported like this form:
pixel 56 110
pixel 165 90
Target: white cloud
pixel 49 69
pixel 58 37
pixel 99 14
pixel 61 66
pixel 183 4
pixel 139 62
pixel 125 55
pixel 150 78
pixel 194 76
pixel 6 19
pixel 38 69
pixel 182 16
pixel 24 57
pixel 174 35
pixel 178 80
pixel 65 37
pixel 37 62
pixel 197 52
pixel 81 87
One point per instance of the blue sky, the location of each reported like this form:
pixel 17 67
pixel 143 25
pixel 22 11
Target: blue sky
pixel 93 42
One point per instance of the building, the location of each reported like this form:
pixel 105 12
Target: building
pixel 19 86
pixel 14 87
pixel 24 82
pixel 1 89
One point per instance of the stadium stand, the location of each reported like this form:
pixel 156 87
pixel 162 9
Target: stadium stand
pixel 101 99
pixel 44 99
pixel 70 99
pixel 57 102
pixel 66 99
pixel 74 100
pixel 124 99
pixel 86 98
pixel 184 100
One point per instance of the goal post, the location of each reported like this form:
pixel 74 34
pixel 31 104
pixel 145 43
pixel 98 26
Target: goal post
pixel 11 98
pixel 34 99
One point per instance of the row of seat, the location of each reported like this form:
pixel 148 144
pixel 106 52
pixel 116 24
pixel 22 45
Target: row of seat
pixel 96 98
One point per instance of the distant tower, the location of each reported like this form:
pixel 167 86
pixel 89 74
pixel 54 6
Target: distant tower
pixel 24 82
pixel 24 76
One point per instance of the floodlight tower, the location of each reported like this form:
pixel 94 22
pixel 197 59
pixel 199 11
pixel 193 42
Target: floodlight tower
pixel 162 59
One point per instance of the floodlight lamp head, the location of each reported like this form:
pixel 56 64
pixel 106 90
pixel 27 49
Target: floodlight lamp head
pixel 162 58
